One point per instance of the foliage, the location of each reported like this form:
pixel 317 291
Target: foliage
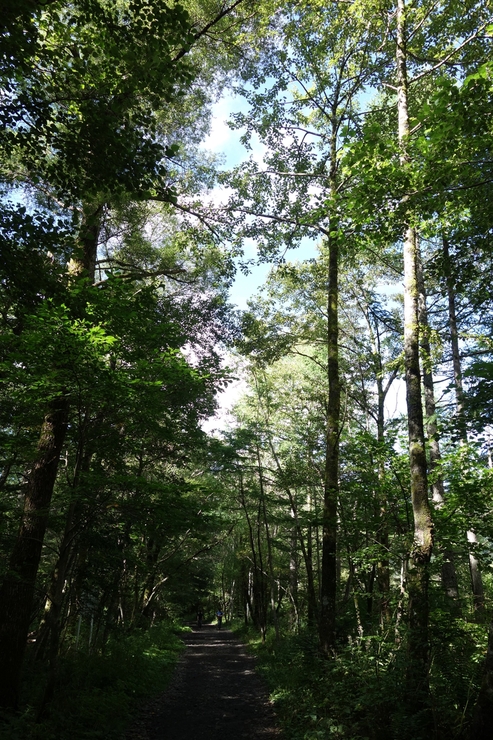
pixel 97 694
pixel 113 283
pixel 360 695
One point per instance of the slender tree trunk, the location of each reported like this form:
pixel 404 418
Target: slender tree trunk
pixel 261 585
pixel 306 548
pixel 254 593
pixel 269 545
pixel 153 550
pixel 17 590
pixel 382 535
pixel 293 579
pixel 418 574
pixel 328 591
pixel 476 579
pixel 51 622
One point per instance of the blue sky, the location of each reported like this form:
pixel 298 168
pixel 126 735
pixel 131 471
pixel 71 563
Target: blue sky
pixel 226 142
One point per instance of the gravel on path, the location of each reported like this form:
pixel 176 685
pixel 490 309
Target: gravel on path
pixel 215 694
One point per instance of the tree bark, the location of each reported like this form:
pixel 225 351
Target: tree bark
pixel 18 588
pixel 328 591
pixel 418 574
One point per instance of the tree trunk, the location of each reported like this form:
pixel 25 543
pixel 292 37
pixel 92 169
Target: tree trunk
pixel 255 592
pixel 51 622
pixel 152 555
pixel 328 591
pixel 418 574
pixel 306 547
pixel 269 546
pixel 17 590
pixel 382 536
pixel 261 601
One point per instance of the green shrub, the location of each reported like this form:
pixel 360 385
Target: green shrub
pixel 96 694
pixel 361 694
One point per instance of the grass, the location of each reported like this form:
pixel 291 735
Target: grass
pixel 96 695
pixel 360 694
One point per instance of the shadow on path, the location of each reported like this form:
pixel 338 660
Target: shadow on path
pixel 215 694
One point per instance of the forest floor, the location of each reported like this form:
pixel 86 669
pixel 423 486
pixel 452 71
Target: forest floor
pixel 215 693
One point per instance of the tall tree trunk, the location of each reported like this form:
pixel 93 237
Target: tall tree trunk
pixel 448 572
pixel 255 593
pixel 476 579
pixel 51 622
pixel 153 549
pixel 294 621
pixel 418 574
pixel 382 573
pixel 269 545
pixel 17 590
pixel 312 606
pixel 261 584
pixel 328 591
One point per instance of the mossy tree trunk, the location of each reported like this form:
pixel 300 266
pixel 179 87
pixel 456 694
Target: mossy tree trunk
pixel 418 572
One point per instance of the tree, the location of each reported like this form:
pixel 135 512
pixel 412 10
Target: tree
pixel 80 130
pixel 319 68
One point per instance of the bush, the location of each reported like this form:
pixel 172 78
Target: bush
pixel 96 694
pixel 361 693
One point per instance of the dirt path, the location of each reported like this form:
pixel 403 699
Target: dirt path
pixel 215 695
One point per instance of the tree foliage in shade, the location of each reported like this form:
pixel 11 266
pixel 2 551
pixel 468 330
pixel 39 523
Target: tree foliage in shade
pixel 82 136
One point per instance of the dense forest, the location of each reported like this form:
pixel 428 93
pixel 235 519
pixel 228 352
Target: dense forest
pixel 346 533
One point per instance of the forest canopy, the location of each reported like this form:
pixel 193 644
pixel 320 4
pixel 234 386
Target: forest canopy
pixel 348 531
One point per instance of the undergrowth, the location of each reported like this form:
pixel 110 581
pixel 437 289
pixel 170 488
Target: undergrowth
pixel 360 694
pixel 96 694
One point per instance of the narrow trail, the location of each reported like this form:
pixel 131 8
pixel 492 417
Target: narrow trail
pixel 215 693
